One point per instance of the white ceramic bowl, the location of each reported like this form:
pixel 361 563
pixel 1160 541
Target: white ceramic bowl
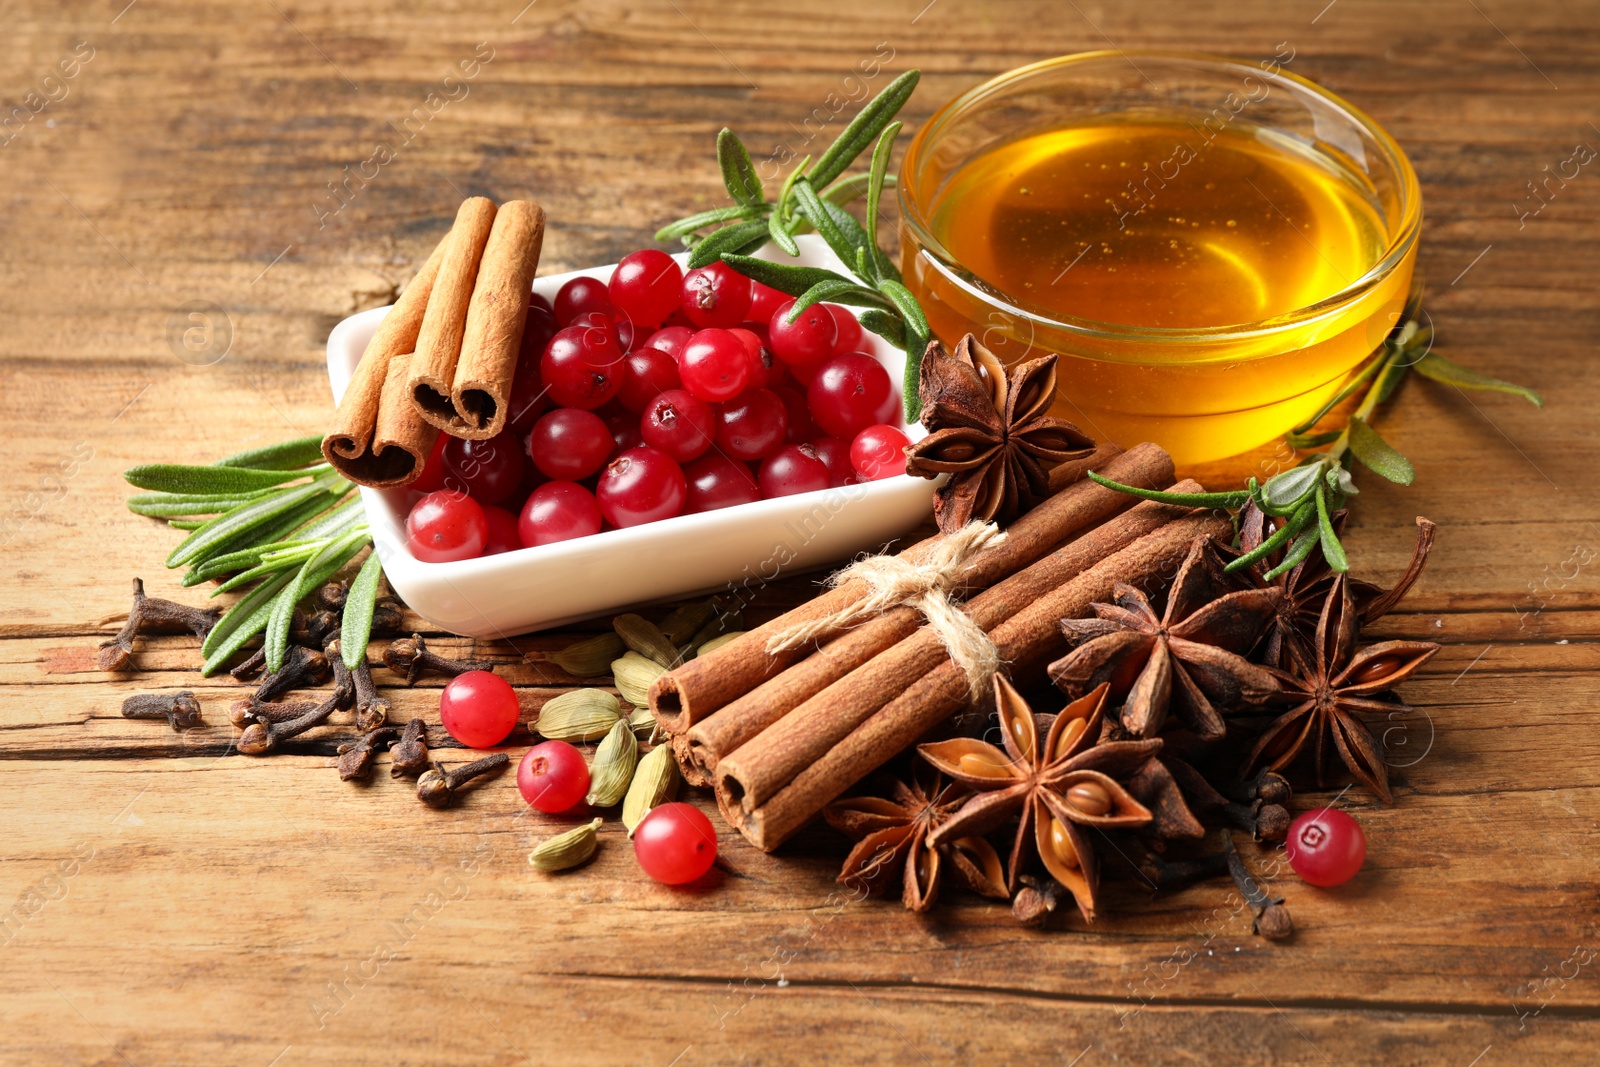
pixel 731 551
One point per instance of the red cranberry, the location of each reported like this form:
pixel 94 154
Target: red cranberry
pixel 794 469
pixel 646 374
pixel 641 485
pixel 806 341
pixel 715 366
pixel 491 469
pixel 570 444
pixel 802 428
pixel 715 482
pixel 558 511
pixel 647 284
pixel 582 367
pixel 851 335
pixel 671 339
pixel 679 424
pixel 503 533
pixel 879 452
pixel 850 393
pixel 764 300
pixel 752 425
pixel 715 295
pixel 835 455
pixel 579 296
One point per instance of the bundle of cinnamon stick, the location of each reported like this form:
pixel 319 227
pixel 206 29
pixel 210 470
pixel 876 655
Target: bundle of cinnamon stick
pixel 444 356
pixel 780 735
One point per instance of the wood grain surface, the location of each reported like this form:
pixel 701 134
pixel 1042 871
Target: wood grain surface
pixel 172 258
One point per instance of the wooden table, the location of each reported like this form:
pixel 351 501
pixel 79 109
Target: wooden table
pixel 165 901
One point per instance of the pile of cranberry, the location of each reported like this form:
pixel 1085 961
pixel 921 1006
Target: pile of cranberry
pixel 661 393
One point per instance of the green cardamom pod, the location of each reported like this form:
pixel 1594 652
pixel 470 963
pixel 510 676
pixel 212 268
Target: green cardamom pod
pixel 646 638
pixel 566 850
pixel 717 642
pixel 579 715
pixel 612 768
pixel 655 782
pixel 685 622
pixel 588 658
pixel 722 623
pixel 634 675
pixel 644 724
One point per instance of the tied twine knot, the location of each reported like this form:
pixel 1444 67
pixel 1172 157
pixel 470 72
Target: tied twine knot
pixel 894 581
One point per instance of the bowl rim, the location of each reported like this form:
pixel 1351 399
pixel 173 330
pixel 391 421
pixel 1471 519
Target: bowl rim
pixel 1399 248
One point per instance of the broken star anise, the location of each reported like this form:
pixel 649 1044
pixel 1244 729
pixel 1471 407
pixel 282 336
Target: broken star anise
pixel 1186 660
pixel 1305 586
pixel 1331 686
pixel 990 432
pixel 892 839
pixel 1059 784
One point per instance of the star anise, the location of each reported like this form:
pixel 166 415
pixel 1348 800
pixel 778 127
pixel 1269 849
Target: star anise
pixel 1058 784
pixel 1331 686
pixel 989 432
pixel 1305 586
pixel 1186 660
pixel 892 835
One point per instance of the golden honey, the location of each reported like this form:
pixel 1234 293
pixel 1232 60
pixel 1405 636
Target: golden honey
pixel 1206 288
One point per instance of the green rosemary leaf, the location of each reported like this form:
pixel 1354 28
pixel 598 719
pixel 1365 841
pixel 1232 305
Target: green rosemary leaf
pixel 880 170
pixel 1312 440
pixel 1328 537
pixel 301 452
pixel 1298 552
pixel 275 639
pixel 738 173
pixel 864 129
pixel 917 337
pixel 1302 518
pixel 242 622
pixel 271 563
pixel 1393 375
pixel 789 278
pixel 780 233
pixel 783 209
pixel 852 186
pixel 177 505
pixel 318 569
pixel 1234 499
pixel 356 628
pixel 690 223
pixel 1284 492
pixel 1439 369
pixel 237 481
pixel 728 239
pixel 812 209
pixel 852 230
pixel 186 524
pixel 1379 455
pixel 889 327
pixel 829 290
pixel 252 516
pixel 1366 373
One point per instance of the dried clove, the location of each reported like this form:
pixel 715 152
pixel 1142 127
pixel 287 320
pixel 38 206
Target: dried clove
pixel 387 616
pixel 411 751
pixel 409 657
pixel 312 631
pixel 259 738
pixel 152 615
pixel 1264 822
pixel 437 787
pixel 303 668
pixel 244 712
pixel 1035 901
pixel 1269 787
pixel 1177 874
pixel 331 596
pixel 372 710
pixel 248 668
pixel 355 757
pixel 181 710
pixel 344 685
pixel 1272 919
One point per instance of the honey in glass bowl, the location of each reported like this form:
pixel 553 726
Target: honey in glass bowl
pixel 1209 276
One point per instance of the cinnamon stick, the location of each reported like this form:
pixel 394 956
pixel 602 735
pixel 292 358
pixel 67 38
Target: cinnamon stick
pixel 496 315
pixel 1078 507
pixel 349 443
pixel 752 773
pixel 1027 640
pixel 684 696
pixel 433 364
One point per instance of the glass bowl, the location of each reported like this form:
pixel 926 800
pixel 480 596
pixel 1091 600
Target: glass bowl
pixel 1202 391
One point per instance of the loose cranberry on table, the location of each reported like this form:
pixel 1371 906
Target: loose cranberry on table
pixel 752 425
pixel 715 295
pixel 446 526
pixel 835 455
pixel 647 285
pixel 641 485
pixel 579 296
pixel 570 444
pixel 670 339
pixel 504 535
pixel 879 452
pixel 680 424
pixel 850 336
pixel 553 777
pixel 582 367
pixel 806 341
pixel 558 511
pixel 675 843
pixel 802 427
pixel 764 300
pixel 491 469
pixel 792 469
pixel 715 366
pixel 717 482
pixel 850 393
pixel 1326 847
pixel 646 374
pixel 479 709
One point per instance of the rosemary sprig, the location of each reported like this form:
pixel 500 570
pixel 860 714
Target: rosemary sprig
pixel 280 523
pixel 1305 496
pixel 812 198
